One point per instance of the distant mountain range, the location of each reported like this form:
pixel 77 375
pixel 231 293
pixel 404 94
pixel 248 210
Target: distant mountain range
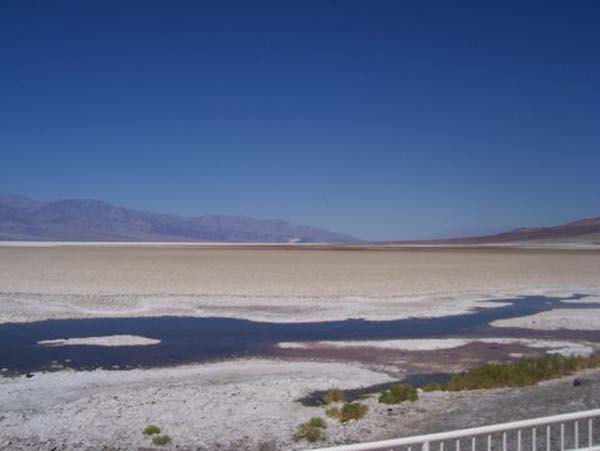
pixel 582 230
pixel 26 219
pixel 22 218
pixel 578 231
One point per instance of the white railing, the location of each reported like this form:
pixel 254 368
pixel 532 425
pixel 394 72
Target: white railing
pixel 571 431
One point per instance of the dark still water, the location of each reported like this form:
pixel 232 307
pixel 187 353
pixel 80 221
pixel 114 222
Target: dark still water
pixel 186 340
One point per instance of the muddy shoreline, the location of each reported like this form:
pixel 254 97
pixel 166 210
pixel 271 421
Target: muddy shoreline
pixel 180 340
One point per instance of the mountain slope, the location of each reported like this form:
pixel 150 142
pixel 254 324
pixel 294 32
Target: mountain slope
pixel 582 230
pixel 22 218
pixel 571 231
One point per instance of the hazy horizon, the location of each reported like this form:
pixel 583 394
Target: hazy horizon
pixel 386 121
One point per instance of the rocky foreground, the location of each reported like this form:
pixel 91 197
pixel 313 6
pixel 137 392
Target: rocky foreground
pixel 250 405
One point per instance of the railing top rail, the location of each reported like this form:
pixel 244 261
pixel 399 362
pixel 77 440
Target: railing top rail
pixel 470 432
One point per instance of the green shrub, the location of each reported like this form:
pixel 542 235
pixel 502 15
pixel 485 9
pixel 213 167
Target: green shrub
pixel 399 393
pixel 352 411
pixel 151 430
pixel 311 431
pixel 161 440
pixel 432 386
pixel 521 373
pixel 334 395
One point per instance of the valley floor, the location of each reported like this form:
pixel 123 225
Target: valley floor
pixel 253 403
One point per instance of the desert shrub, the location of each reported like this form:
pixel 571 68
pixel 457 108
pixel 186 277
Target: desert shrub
pixel 161 440
pixel 334 395
pixel 311 431
pixel 399 393
pixel 352 411
pixel 151 430
pixel 432 386
pixel 333 412
pixel 317 422
pixel 594 361
pixel 521 373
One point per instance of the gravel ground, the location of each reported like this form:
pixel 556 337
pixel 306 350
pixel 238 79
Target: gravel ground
pixel 246 405
pixel 198 406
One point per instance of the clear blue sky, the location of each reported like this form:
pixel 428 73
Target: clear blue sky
pixel 383 119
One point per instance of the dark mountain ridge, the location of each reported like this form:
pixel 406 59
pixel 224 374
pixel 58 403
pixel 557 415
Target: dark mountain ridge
pixel 23 218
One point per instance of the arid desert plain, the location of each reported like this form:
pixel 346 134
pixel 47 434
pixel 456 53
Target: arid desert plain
pixel 228 347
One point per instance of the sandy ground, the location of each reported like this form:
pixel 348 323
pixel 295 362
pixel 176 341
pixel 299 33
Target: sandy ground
pixel 289 272
pixel 109 340
pixel 432 344
pixel 588 319
pixel 272 284
pixel 26 307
